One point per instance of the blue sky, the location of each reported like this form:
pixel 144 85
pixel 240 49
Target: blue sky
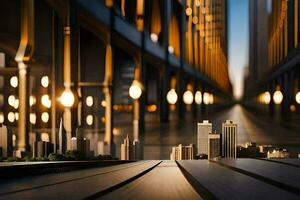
pixel 238 35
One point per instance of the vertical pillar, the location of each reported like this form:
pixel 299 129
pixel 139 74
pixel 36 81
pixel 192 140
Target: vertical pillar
pixel 181 78
pixel 23 56
pixel 53 83
pixel 272 104
pixel 203 106
pixel 107 90
pixel 163 88
pixel 287 91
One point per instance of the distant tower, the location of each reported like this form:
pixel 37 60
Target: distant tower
pixel 213 145
pixel 204 129
pixel 125 149
pixel 229 139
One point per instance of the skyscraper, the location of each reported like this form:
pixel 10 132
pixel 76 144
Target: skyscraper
pixel 125 149
pixel 6 142
pixel 204 129
pixel 229 139
pixel 213 145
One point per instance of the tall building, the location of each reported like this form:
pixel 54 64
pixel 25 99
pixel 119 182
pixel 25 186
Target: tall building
pixel 204 129
pixel 214 143
pixel 229 139
pixel 125 149
pixel 258 39
pixel 6 142
pixel 182 152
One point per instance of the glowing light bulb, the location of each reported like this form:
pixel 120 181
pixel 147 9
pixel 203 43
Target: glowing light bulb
pixel 45 117
pixel 198 97
pixel 11 100
pixel 11 117
pixel 188 97
pixel 14 81
pixel 45 81
pixel 46 101
pixel 154 37
pixel 67 98
pixel 206 98
pixel 172 97
pixel 298 97
pixel 89 101
pixel 211 99
pixel 32 118
pixel 277 97
pixel 267 98
pixel 135 90
pixel 89 120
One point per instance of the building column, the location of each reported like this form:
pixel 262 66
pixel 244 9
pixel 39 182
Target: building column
pixel 107 90
pixel 287 91
pixel 163 89
pixel 23 57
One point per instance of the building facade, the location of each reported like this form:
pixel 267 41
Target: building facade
pixel 229 139
pixel 272 83
pixel 182 152
pixel 214 146
pixel 204 129
pixel 82 57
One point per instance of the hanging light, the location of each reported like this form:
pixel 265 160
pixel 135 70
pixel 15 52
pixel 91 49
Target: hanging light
pixel 11 100
pixel 17 116
pixel 11 117
pixel 67 98
pixel 45 117
pixel 206 98
pixel 211 99
pixel 46 101
pixel 1 117
pixel 188 97
pixel 277 97
pixel 188 11
pixel 198 97
pixel 45 137
pixel 89 101
pixel 172 97
pixel 32 118
pixel 32 100
pixel 89 120
pixel 154 37
pixel 171 49
pixel 298 97
pixel 135 90
pixel 16 104
pixel 103 103
pixel 45 81
pixel 266 97
pixel 14 81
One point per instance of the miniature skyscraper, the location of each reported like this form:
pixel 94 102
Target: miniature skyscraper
pixel 6 141
pixel 229 139
pixel 61 138
pixel 213 145
pixel 204 129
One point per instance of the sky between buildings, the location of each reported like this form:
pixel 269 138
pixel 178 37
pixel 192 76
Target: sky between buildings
pixel 238 42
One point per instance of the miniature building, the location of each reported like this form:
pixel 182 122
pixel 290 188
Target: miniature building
pixel 229 139
pixel 213 145
pixel 204 129
pixel 182 152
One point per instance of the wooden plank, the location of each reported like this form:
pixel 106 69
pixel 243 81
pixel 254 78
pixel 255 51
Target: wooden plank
pixel 75 185
pixel 281 175
pixel 224 183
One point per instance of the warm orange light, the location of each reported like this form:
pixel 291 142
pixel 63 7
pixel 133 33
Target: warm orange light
pixel 188 11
